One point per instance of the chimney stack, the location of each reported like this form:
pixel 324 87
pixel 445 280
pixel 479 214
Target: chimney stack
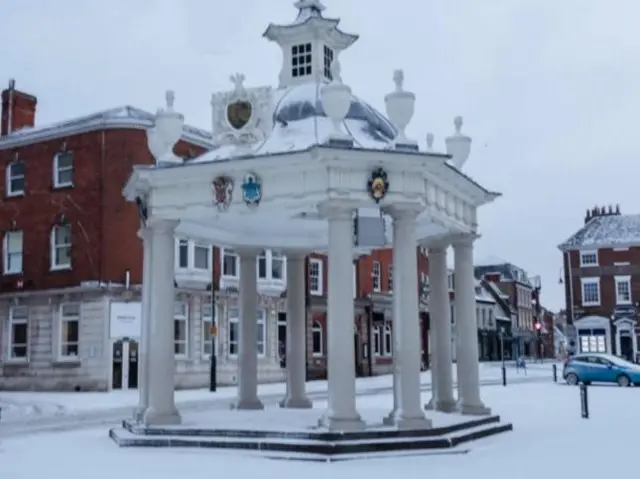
pixel 18 110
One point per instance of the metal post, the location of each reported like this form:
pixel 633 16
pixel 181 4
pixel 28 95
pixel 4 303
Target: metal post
pixel 584 401
pixel 555 373
pixel 213 370
pixel 504 369
pixel 369 311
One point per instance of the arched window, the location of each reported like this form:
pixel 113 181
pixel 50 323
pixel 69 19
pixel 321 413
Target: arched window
pixel 318 343
pixel 387 347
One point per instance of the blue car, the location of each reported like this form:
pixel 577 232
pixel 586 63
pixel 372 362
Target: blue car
pixel 590 368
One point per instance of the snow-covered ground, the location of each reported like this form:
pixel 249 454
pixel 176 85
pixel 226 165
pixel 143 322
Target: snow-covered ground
pixel 34 406
pixel 550 439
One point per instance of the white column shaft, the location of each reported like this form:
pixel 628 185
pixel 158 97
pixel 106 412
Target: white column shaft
pixel 467 331
pixel 143 349
pixel 618 342
pixel 296 334
pixel 161 358
pixel 406 323
pixel 248 354
pixel 440 315
pixel 342 413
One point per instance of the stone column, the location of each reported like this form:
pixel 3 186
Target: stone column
pixel 342 414
pixel 634 342
pixel 248 354
pixel 296 397
pixel 467 330
pixel 441 327
pixel 161 355
pixel 143 349
pixel 406 325
pixel 618 341
pixel 390 420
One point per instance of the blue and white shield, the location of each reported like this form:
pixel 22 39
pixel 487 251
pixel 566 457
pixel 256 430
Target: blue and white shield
pixel 251 189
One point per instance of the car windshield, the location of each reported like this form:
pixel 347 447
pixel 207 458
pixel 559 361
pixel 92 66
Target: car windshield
pixel 619 361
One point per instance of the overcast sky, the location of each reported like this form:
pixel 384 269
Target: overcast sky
pixel 547 88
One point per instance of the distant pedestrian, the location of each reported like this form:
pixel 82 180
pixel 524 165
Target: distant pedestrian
pixel 521 364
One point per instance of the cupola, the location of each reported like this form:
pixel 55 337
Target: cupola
pixel 309 44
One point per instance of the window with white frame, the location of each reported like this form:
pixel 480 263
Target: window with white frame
pixel 69 331
pixel 262 265
pixel 61 247
pixel 590 291
pixel 315 276
pixel 180 328
pixel 390 277
pixel 234 332
pixel 271 266
pixel 382 340
pixel 229 263
pixel 301 60
pixel 623 289
pixel 63 169
pixel 18 349
pixel 183 253
pixel 375 276
pixel 328 60
pixel 277 266
pixel 15 179
pixel 12 247
pixel 207 325
pixel 318 340
pixel 588 258
pixel 201 256
pixel 590 343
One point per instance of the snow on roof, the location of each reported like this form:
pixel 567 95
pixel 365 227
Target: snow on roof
pixel 122 116
pixel 301 123
pixel 490 261
pixel 608 230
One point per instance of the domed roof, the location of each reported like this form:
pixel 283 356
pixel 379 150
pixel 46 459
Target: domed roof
pixel 301 123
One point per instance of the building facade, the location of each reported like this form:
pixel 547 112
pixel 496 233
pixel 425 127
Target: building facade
pixel 601 263
pixel 515 283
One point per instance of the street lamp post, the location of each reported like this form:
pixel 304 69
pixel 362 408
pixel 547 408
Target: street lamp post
pixel 504 369
pixel 213 369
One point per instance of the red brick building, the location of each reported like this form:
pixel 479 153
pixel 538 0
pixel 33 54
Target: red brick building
pixel 71 266
pixel 602 283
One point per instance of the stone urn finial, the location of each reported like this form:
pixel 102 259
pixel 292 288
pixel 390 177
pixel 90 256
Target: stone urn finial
pixel 166 132
pixel 458 144
pixel 400 107
pixel 336 101
pixel 430 139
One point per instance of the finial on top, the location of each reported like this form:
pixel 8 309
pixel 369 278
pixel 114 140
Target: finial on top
pixel 430 138
pixel 398 79
pixel 457 122
pixel 238 81
pixel 170 97
pixel 336 71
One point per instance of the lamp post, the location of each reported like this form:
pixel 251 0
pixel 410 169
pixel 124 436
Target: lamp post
pixel 504 369
pixel 213 367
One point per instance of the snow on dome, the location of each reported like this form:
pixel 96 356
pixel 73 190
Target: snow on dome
pixel 602 231
pixel 301 123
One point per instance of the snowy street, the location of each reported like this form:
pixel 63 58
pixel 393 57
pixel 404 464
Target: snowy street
pixel 25 412
pixel 546 418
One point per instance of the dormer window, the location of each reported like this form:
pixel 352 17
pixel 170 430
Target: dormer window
pixel 328 60
pixel 301 60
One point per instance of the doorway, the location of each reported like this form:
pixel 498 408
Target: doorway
pixel 282 339
pixel 124 364
pixel 626 347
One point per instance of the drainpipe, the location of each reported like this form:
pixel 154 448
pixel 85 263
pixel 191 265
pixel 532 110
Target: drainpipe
pixel 12 87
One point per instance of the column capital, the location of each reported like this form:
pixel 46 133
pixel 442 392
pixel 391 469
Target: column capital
pixel 157 225
pixel 404 211
pixel 336 209
pixel 464 239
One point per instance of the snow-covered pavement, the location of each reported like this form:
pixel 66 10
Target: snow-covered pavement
pixel 42 407
pixel 550 437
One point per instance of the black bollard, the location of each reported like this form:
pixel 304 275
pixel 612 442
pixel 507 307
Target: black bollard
pixel 584 401
pixel 504 376
pixel 555 373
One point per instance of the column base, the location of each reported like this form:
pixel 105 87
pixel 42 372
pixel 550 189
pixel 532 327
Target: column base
pixel 445 406
pixel 430 405
pixel 474 409
pixel 346 424
pixel 154 417
pixel 401 421
pixel 296 403
pixel 248 405
pixel 138 413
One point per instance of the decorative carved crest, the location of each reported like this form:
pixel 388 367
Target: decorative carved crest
pixel 378 184
pixel 222 188
pixel 242 116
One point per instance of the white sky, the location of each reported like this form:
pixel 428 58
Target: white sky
pixel 546 87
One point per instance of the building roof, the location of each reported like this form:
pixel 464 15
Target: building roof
pixel 508 272
pixel 605 231
pixel 120 117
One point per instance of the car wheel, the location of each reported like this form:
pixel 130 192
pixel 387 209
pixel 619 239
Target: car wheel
pixel 623 381
pixel 572 379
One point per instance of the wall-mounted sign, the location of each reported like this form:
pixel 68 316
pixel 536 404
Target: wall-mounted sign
pixel 125 320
